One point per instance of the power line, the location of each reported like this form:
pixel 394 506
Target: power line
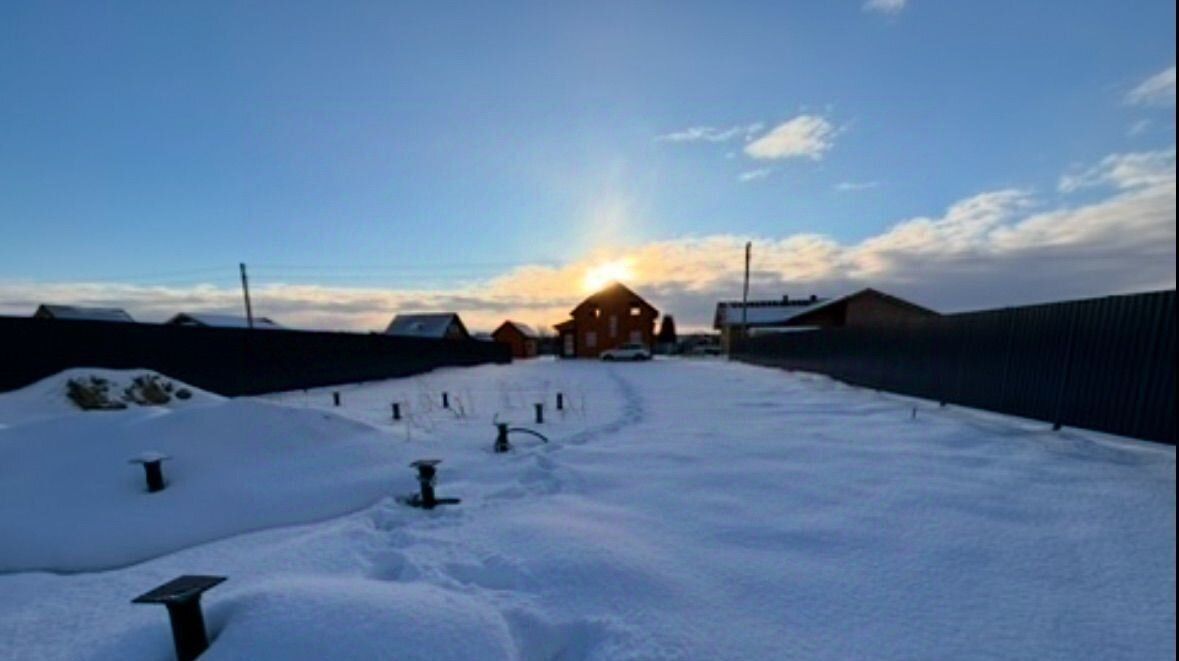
pixel 158 274
pixel 147 282
pixel 380 277
pixel 439 266
pixel 334 271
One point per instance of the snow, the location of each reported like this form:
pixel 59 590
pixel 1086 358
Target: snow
pixel 730 313
pixel 69 502
pixel 47 397
pixel 363 619
pixel 683 509
pixel 148 457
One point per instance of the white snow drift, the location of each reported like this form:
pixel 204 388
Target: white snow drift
pixel 71 501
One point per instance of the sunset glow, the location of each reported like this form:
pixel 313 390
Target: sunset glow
pixel 603 274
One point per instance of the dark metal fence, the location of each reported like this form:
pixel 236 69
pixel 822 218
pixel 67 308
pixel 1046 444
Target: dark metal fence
pixel 226 360
pixel 1106 364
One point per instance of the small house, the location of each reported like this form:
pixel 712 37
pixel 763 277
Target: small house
pixel 437 325
pixel 605 320
pixel 213 320
pixel 80 313
pixel 520 337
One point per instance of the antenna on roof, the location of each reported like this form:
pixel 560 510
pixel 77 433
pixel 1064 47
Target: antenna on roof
pixel 246 294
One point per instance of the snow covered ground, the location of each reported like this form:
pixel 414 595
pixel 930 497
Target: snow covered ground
pixel 683 509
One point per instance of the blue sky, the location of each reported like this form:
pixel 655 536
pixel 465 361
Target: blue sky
pixel 447 154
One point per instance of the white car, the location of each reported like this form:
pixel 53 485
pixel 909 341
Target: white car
pixel 627 352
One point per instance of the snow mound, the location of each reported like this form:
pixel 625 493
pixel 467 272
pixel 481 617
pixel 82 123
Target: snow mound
pixel 50 397
pixel 69 500
pixel 352 618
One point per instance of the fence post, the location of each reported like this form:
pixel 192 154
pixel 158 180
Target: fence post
pixel 182 597
pixel 152 470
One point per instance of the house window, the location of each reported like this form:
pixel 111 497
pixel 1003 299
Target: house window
pixel 613 326
pixel 591 339
pixel 597 312
pixel 636 337
pixel 569 344
pixel 635 310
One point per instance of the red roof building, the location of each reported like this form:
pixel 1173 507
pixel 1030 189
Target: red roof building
pixel 520 337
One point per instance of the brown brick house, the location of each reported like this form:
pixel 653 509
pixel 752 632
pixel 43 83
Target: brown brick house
pixel 520 337
pixel 606 320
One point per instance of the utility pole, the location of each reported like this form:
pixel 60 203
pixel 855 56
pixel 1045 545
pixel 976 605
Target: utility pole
pixel 246 294
pixel 745 292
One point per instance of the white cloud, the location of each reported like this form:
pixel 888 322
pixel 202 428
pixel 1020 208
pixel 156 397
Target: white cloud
pixel 1158 90
pixel 712 134
pixel 995 248
pixel 885 6
pixel 1138 128
pixel 964 227
pixel 1124 171
pixel 804 136
pixel 849 186
pixel 754 175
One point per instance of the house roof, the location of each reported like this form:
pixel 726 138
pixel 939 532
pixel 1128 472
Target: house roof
pixel 868 292
pixel 524 329
pixel 214 320
pixel 768 315
pixel 432 324
pixel 85 313
pixel 610 289
pixel 764 313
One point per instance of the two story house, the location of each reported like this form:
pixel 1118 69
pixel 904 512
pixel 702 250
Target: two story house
pixel 606 320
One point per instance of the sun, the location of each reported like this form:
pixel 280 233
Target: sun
pixel 603 274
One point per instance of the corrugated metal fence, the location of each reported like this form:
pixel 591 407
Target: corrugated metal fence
pixel 229 361
pixel 1106 364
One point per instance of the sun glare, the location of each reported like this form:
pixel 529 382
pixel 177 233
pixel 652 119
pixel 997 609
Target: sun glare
pixel 603 274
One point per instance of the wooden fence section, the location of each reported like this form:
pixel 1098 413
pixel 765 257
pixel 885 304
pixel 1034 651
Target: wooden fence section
pixel 1106 364
pixel 228 361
